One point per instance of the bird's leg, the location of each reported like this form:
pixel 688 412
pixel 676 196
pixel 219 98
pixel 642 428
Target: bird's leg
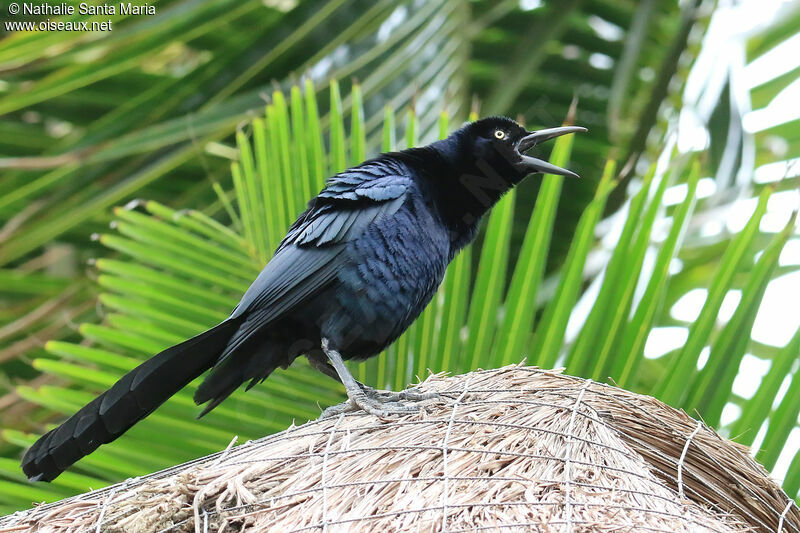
pixel 411 394
pixel 378 403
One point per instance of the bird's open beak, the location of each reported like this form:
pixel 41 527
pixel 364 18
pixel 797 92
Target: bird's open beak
pixel 533 164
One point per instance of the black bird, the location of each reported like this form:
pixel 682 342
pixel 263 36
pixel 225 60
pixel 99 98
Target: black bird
pixel 353 272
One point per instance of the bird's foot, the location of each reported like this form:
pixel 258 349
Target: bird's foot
pixel 380 403
pixel 375 402
pixel 412 394
pixel 383 403
pixel 373 406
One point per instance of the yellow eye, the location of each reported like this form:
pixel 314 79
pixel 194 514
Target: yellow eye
pixel 500 134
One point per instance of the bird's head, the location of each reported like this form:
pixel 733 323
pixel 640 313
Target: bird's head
pixel 498 144
pixel 482 161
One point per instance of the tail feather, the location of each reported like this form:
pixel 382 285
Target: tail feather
pixel 133 397
pixel 254 360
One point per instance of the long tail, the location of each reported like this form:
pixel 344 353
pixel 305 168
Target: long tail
pixel 129 400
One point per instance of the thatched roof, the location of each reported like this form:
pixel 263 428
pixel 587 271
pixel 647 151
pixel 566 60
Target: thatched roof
pixel 513 449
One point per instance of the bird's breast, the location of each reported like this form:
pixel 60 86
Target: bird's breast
pixel 391 274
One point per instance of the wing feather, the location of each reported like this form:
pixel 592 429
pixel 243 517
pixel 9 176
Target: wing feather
pixel 313 251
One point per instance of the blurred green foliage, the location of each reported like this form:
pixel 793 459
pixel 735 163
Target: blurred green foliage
pixel 200 111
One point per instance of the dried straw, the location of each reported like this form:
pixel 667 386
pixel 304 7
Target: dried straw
pixel 514 449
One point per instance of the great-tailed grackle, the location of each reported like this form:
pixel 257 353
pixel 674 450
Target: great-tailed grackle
pixel 353 272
